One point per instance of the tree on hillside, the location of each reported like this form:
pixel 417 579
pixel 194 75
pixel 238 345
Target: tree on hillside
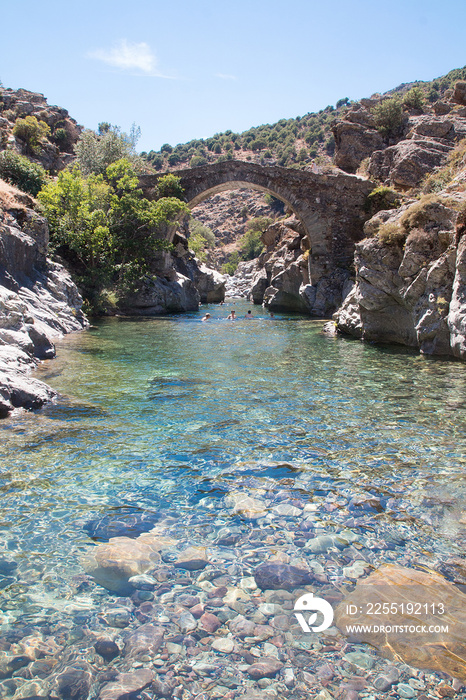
pixel 96 151
pixel 251 245
pixel 388 116
pixel 32 131
pixel 21 172
pixel 105 227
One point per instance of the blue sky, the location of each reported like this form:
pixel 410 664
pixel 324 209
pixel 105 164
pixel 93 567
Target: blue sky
pixel 184 69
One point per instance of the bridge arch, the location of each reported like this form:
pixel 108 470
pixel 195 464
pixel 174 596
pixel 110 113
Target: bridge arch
pixel 329 205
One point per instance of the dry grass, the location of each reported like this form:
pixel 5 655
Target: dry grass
pixel 12 198
pixel 427 213
pixel 441 178
pixel 430 208
pixel 391 233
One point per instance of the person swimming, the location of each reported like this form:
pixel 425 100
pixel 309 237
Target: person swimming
pixel 249 314
pixel 232 316
pixel 207 317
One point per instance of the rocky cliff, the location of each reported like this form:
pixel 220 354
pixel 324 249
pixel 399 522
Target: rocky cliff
pixel 38 301
pixel 60 133
pixel 411 292
pixel 408 285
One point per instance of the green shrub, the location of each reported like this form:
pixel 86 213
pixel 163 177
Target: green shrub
pixel 32 132
pixel 251 245
pixel 414 99
pixel 229 268
pixel 95 152
pixel 157 162
pixel 19 171
pixel 169 186
pixel 258 144
pixel 196 161
pixel 302 155
pixel 173 159
pixel 61 136
pixel 342 102
pixel 388 116
pixel 391 233
pixel 201 239
pixel 381 198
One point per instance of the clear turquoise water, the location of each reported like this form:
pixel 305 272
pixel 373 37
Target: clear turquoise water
pixel 169 414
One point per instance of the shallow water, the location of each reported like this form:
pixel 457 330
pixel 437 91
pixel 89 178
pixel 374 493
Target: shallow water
pixel 167 415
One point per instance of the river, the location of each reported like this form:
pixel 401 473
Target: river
pixel 167 416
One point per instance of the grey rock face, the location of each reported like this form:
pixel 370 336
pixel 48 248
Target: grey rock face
pixel 38 303
pixel 414 296
pixel 354 142
pixel 457 313
pixel 282 277
pixel 426 146
pixel 159 295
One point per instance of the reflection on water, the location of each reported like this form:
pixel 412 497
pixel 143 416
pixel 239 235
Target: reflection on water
pixel 169 414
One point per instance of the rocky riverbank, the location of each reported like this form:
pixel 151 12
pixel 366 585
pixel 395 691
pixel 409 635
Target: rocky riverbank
pixel 39 302
pixel 412 295
pixel 407 284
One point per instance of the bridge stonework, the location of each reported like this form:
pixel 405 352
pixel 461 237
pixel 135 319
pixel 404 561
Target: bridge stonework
pixel 330 205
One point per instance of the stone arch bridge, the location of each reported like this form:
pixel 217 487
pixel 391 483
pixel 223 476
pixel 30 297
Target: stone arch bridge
pixel 330 205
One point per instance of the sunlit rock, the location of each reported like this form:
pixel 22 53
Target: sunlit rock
pixel 245 505
pixel 113 563
pixel 420 606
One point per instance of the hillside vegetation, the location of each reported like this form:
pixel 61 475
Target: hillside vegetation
pixel 299 141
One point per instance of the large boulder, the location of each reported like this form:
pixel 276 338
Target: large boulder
pixel 405 164
pixel 439 618
pixel 259 285
pixel 210 284
pixel 459 93
pixel 112 564
pixel 427 143
pixel 159 295
pixel 355 141
pixel 283 294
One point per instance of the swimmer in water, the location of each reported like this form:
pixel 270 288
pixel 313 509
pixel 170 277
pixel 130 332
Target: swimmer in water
pixel 232 315
pixel 207 317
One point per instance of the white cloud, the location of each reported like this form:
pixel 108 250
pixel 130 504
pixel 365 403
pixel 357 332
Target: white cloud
pixel 225 76
pixel 128 56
